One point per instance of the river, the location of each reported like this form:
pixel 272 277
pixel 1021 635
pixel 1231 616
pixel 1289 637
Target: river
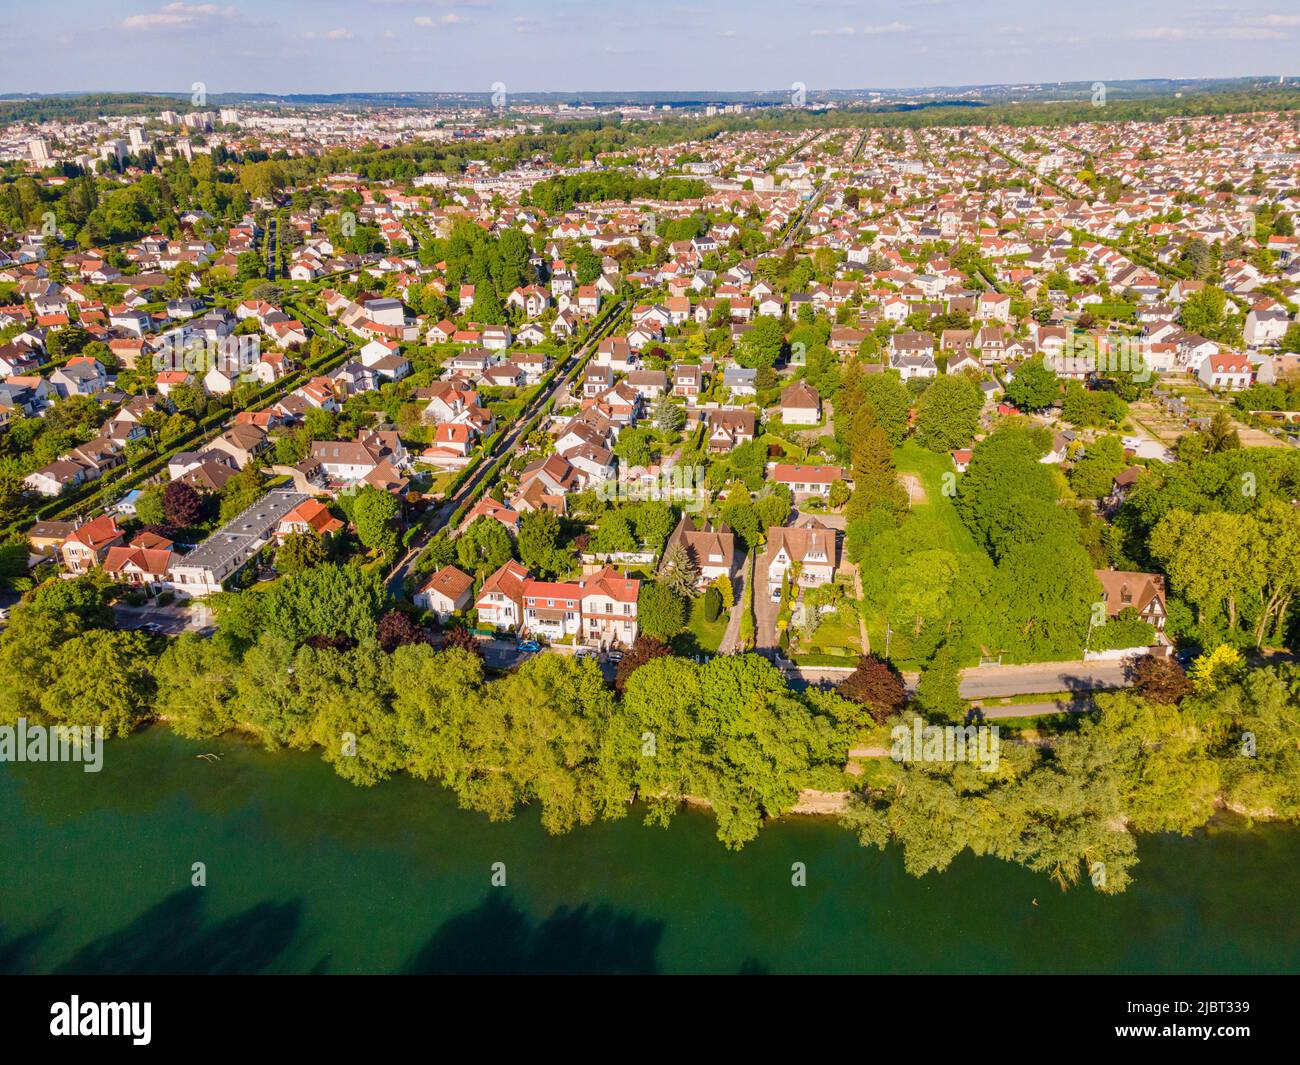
pixel 306 873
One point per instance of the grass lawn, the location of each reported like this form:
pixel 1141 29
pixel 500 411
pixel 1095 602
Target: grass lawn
pixel 700 636
pixel 837 641
pixel 792 452
pixel 441 481
pixel 943 524
pixel 937 508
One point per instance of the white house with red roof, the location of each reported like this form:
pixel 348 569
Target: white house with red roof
pixel 805 482
pixel 1226 372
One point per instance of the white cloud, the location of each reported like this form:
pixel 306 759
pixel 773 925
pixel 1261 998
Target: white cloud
pixel 178 16
pixel 449 19
pixel 1207 33
pixel 340 35
pixel 891 27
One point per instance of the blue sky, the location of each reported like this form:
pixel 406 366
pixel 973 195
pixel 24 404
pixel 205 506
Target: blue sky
pixel 449 45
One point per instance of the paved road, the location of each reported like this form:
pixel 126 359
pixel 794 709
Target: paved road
pixel 441 515
pixel 1080 704
pixel 272 246
pixel 993 682
pixel 816 197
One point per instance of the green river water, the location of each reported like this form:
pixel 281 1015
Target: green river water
pixel 306 873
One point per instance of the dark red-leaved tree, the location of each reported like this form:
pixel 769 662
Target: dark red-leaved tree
pixel 461 637
pixel 397 629
pixel 182 505
pixel 165 531
pixel 331 643
pixel 1162 680
pixel 643 649
pixel 876 686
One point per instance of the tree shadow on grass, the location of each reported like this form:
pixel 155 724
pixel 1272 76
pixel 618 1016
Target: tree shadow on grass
pixel 174 938
pixel 497 937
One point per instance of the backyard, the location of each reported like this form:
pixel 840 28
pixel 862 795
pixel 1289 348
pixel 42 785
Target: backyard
pixel 701 636
pixel 936 521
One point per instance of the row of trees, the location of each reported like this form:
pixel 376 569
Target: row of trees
pixel 729 733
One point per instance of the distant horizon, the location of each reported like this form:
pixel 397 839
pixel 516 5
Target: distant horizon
pixel 314 47
pixel 779 92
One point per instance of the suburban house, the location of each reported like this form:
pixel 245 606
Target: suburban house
pixel 88 544
pixel 712 550
pixel 143 563
pixel 609 601
pixel 648 384
pixel 810 545
pixel 492 508
pixel 598 612
pixel 55 478
pixel 1143 592
pixel 800 404
pixel 1226 371
pixel 805 482
pixel 687 380
pixel 500 603
pixel 552 609
pixel 447 592
pixel 913 364
pixel 309 516
pixel 729 429
pixel 741 380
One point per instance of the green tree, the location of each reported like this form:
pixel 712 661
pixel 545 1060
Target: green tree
pixel 298 552
pixel 376 514
pixel 1034 386
pixel 948 413
pixel 661 612
pixel 539 535
pixel 1094 474
pixel 484 547
pixel 105 681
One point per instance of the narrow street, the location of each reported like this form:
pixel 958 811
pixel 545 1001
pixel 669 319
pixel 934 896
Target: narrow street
pixel 442 515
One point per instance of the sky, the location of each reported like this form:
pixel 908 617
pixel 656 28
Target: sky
pixel 284 46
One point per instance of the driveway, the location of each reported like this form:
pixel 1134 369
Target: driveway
pixel 172 620
pixel 731 638
pixel 765 611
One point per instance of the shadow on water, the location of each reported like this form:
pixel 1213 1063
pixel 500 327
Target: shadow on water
pixel 497 937
pixel 174 938
pixel 16 952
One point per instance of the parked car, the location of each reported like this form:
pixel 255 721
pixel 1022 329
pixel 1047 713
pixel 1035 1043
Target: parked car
pixel 615 656
pixel 776 595
pixel 584 652
pixel 529 647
